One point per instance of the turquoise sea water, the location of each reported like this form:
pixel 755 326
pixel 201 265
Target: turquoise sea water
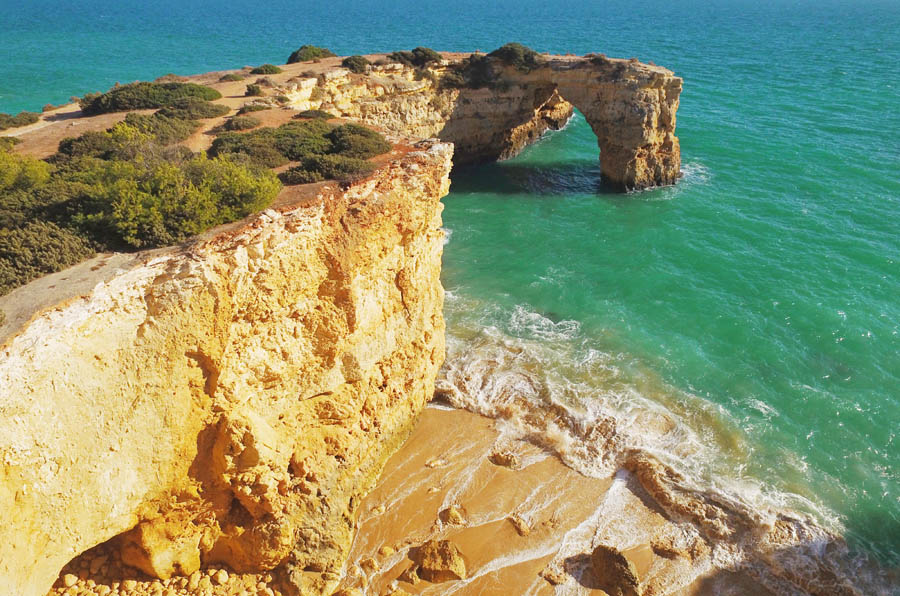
pixel 760 296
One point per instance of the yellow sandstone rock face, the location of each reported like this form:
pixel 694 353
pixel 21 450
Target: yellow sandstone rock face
pixel 630 106
pixel 230 401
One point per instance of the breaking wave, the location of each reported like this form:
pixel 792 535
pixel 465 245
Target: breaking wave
pixel 543 381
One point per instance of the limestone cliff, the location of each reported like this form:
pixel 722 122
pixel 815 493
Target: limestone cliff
pixel 631 107
pixel 231 400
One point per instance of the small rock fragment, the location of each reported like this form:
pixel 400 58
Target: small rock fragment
pixel 521 526
pixel 129 584
pixel 437 462
pixel 70 580
pixel 453 516
pixel 410 576
pixel 614 573
pixel 440 561
pixel 369 565
pixel 553 575
pixel 386 551
pixel 220 577
pixel 504 458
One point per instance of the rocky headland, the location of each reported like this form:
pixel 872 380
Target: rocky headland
pixel 212 418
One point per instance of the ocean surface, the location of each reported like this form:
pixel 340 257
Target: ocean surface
pixel 756 304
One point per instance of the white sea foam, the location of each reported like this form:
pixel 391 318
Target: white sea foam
pixel 543 382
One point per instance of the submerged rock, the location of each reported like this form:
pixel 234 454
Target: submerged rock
pixel 614 573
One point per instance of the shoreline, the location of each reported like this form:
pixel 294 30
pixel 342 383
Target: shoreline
pixel 527 528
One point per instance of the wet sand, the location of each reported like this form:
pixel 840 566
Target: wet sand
pixel 528 528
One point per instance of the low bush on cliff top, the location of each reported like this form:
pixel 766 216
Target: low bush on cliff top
pixel 253 107
pixel 418 57
pixel 308 114
pixel 253 90
pixel 7 143
pixel 242 123
pixel 308 52
pixel 353 140
pixel 36 249
pixel 323 167
pixel 193 108
pixel 231 77
pixel 20 119
pixel 478 71
pixel 324 150
pixel 521 57
pixel 127 139
pixel 266 69
pixel 355 64
pixel 124 188
pixel 143 95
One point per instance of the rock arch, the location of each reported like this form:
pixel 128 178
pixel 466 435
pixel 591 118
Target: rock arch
pixel 631 107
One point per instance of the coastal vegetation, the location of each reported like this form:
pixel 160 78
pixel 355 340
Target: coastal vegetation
pixel 306 114
pixel 231 77
pixel 253 107
pixel 309 52
pixel 128 187
pixel 143 95
pixel 418 57
pixel 242 123
pixel 193 108
pixel 20 119
pixel 355 64
pixel 306 141
pixel 483 70
pixel 7 143
pixel 253 90
pixel 266 69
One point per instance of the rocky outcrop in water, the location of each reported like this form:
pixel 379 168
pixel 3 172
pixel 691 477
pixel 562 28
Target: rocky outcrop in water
pixel 630 106
pixel 229 401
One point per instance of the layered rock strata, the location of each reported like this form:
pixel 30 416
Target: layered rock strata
pixel 630 106
pixel 229 402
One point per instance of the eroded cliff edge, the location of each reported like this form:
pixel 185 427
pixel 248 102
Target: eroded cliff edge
pixel 229 401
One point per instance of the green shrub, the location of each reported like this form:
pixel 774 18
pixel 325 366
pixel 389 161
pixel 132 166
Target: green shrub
pixel 452 80
pixel 242 123
pixel 308 52
pixel 477 71
pixel 302 140
pixel 521 57
pixel 337 167
pixel 7 143
pixel 309 114
pixel 253 107
pixel 162 129
pixel 20 172
pixel 353 140
pixel 419 57
pixel 256 146
pixel 355 64
pixel 143 95
pixel 37 249
pixel 231 77
pixel 193 108
pixel 127 139
pixel 253 90
pixel 266 69
pixel 145 204
pixel 20 119
pixel 300 175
